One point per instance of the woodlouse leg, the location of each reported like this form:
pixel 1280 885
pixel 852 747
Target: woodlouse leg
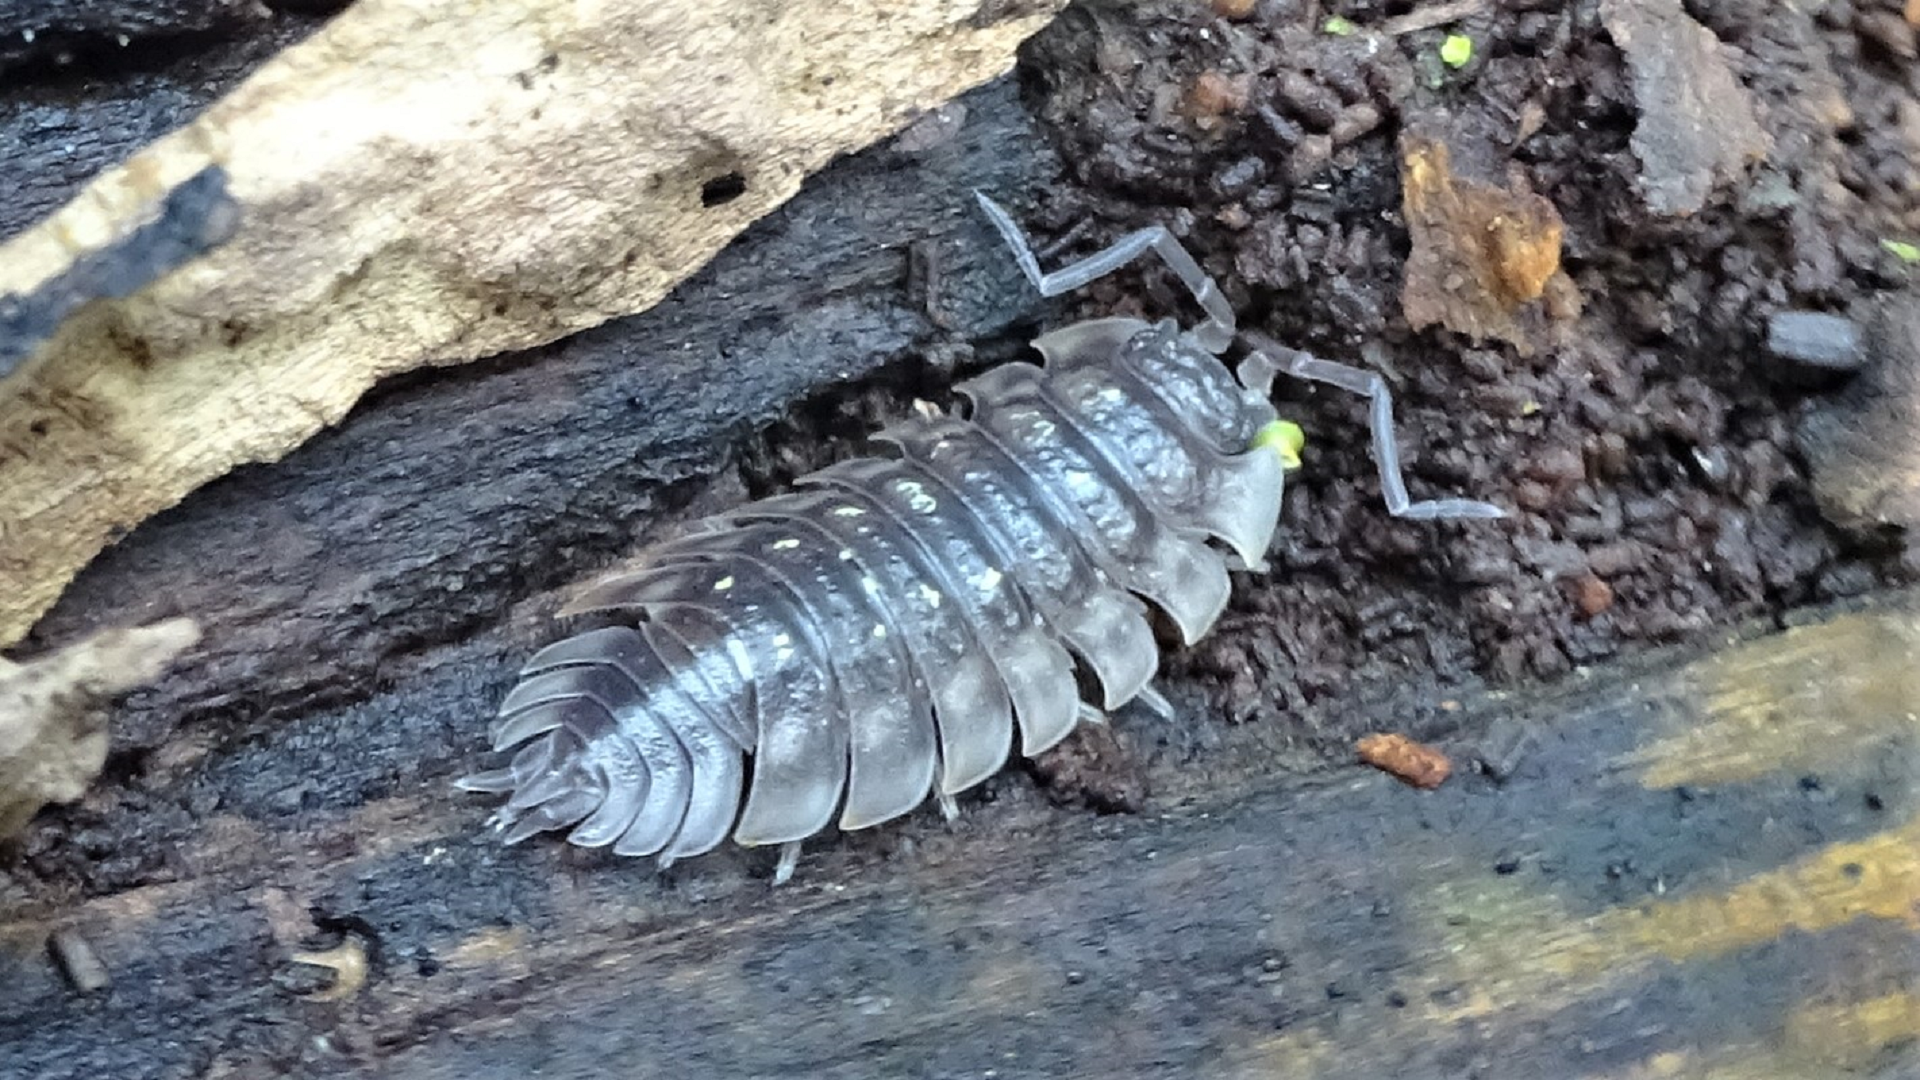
pixel 789 859
pixel 1156 702
pixel 1214 335
pixel 949 806
pixel 1272 357
pixel 1256 372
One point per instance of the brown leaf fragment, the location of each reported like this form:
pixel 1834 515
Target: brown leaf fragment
pixel 1697 126
pixel 53 738
pixel 1415 764
pixel 1591 595
pixel 1214 94
pixel 1482 252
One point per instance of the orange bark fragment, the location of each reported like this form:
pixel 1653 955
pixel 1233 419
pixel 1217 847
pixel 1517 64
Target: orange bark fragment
pixel 1482 253
pixel 1416 764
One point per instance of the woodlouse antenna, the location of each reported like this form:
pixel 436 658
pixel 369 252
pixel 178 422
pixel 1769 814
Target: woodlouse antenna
pixel 1271 358
pixel 1215 335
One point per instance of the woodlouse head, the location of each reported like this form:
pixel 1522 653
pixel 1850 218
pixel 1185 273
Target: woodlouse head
pixel 1197 386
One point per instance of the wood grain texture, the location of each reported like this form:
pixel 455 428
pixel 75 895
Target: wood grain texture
pixel 397 210
pixel 1619 905
pixel 277 880
pixel 50 32
pixel 435 511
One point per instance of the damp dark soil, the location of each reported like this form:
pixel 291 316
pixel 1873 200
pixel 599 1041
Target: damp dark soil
pixel 1649 455
pixel 366 598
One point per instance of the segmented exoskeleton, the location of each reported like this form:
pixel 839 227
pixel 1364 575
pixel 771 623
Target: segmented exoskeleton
pixel 878 634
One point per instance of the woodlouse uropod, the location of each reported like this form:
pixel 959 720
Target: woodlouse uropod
pixel 879 634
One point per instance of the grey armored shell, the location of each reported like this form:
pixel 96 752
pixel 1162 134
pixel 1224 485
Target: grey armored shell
pixel 877 635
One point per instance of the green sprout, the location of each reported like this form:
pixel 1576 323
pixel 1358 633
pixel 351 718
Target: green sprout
pixel 1338 26
pixel 1900 249
pixel 1456 50
pixel 1285 438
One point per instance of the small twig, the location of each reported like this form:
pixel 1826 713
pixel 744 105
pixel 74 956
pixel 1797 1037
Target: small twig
pixel 1426 18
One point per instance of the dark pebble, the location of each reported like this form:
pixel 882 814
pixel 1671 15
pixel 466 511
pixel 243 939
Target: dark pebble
pixel 1557 465
pixel 1308 158
pixel 1506 744
pixel 1829 342
pixel 1890 31
pixel 1355 121
pixel 1612 560
pixel 1308 100
pixel 1484 568
pixel 1240 178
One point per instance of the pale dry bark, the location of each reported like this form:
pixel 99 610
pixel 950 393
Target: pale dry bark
pixel 428 182
pixel 53 727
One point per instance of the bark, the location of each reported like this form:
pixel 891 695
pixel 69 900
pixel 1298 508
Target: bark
pixel 1698 868
pixel 580 162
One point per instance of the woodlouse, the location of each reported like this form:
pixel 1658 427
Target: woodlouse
pixel 879 634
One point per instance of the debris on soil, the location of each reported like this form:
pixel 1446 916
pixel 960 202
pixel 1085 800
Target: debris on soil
pixel 1697 127
pixel 1213 95
pixel 1096 768
pixel 1482 252
pixel 1591 595
pixel 347 961
pixel 53 733
pixel 1415 764
pixel 935 128
pixel 1503 747
pixel 1889 32
pixel 78 962
pixel 1900 249
pixel 1428 16
pixel 1817 339
pixel 1861 444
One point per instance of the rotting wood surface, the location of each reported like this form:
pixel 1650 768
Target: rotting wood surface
pixel 418 521
pixel 582 161
pixel 1698 869
pixel 287 796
